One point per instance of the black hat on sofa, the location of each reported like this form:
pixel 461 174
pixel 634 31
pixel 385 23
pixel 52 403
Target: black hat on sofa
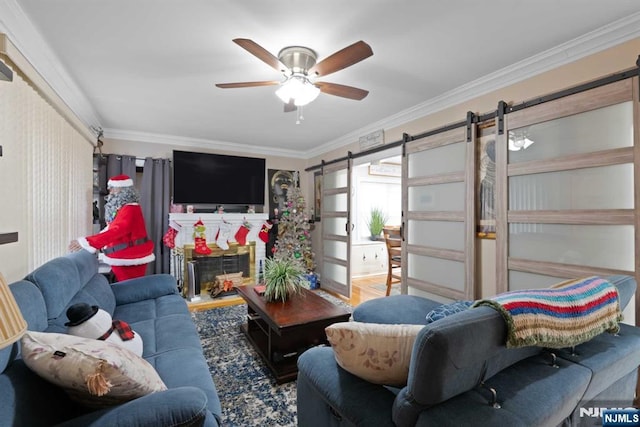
pixel 79 313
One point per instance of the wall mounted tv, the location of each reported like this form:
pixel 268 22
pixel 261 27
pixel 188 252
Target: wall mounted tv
pixel 217 179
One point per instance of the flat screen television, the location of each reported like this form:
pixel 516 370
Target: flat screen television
pixel 217 179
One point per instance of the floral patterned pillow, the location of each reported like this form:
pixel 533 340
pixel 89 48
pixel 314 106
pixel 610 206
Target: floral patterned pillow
pixel 375 352
pixel 94 373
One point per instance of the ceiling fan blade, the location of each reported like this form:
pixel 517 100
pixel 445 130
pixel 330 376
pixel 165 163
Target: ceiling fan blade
pixel 290 106
pixel 342 59
pixel 247 84
pixel 342 90
pixel 261 53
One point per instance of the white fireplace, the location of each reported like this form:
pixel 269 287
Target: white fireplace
pixel 184 240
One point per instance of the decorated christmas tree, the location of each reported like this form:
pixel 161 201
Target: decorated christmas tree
pixel 294 237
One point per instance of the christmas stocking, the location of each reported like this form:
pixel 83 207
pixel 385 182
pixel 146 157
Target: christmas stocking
pixel 264 231
pixel 224 231
pixel 169 238
pixel 241 234
pixel 200 238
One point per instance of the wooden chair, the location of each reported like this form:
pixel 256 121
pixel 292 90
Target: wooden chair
pixel 393 240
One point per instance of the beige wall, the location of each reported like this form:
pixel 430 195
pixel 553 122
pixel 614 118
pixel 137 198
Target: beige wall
pixel 610 61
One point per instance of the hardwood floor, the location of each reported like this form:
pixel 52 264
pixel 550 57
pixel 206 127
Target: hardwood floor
pixel 366 288
pixel 362 289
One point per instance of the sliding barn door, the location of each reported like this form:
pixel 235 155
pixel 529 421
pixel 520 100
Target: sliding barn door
pixel 439 214
pixel 567 189
pixel 336 228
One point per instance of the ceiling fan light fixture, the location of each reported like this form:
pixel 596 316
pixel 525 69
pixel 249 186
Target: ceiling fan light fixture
pixel 298 88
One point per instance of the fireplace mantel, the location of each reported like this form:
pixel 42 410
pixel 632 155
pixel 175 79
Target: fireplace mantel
pixel 212 223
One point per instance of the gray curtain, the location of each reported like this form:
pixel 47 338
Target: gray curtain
pixel 118 165
pixel 155 201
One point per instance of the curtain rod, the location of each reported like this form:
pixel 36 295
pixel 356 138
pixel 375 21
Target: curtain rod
pixel 632 72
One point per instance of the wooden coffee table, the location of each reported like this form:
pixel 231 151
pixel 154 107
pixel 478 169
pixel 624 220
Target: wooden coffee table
pixel 280 332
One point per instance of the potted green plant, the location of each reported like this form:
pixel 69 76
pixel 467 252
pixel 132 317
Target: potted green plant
pixel 282 278
pixel 377 219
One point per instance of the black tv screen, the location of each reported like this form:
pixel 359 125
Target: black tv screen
pixel 217 179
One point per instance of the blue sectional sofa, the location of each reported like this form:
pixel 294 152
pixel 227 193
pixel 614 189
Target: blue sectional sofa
pixel 153 308
pixel 460 361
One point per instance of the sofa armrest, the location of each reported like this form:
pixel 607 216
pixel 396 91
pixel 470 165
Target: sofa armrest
pixel 182 406
pixel 144 288
pixel 329 396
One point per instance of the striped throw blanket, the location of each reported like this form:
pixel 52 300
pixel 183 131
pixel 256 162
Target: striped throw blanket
pixel 564 315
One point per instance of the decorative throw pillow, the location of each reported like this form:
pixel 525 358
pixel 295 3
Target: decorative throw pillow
pixel 445 310
pixel 95 373
pixel 375 352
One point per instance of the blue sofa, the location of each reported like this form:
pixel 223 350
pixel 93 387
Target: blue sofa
pixel 460 361
pixel 154 309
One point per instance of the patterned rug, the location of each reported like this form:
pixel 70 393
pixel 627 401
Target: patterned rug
pixel 248 393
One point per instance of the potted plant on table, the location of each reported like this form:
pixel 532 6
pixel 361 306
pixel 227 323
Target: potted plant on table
pixel 376 222
pixel 282 278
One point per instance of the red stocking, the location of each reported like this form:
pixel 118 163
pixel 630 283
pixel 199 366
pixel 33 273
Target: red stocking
pixel 241 234
pixel 169 238
pixel 200 238
pixel 264 231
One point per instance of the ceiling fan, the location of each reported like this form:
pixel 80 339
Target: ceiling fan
pixel 299 67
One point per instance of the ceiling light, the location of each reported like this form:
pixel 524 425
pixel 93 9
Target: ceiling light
pixel 298 88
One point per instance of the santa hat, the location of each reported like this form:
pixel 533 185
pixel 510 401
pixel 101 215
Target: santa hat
pixel 120 181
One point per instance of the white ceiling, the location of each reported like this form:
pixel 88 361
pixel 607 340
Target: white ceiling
pixel 146 69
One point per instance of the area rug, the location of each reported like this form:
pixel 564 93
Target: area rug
pixel 248 394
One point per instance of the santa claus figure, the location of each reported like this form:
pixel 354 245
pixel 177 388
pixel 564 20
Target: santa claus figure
pixel 123 242
pixel 90 321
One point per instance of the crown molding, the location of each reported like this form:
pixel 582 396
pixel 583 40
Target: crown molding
pixel 181 141
pixel 595 41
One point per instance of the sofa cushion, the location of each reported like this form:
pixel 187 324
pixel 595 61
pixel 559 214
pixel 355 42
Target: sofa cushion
pixel 149 309
pixel 49 277
pixel 375 352
pixel 609 357
pixel 445 310
pixel 530 393
pixel 167 333
pixel 165 364
pixel 95 373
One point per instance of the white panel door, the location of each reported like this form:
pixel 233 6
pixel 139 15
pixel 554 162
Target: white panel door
pixel 336 227
pixel 566 189
pixel 439 215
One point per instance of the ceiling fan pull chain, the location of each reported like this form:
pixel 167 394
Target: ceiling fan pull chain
pixel 300 116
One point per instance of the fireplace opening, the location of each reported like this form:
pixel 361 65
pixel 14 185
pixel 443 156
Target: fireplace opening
pixel 216 274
